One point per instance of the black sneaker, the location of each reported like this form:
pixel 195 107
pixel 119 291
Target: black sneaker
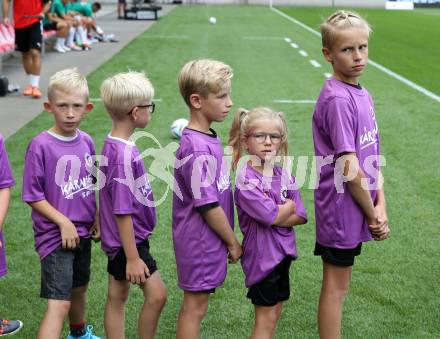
pixel 9 327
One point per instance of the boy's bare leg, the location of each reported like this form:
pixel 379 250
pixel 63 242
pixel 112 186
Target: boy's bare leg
pixel 266 319
pixel 335 284
pixel 114 314
pixel 192 312
pixel 78 305
pixel 52 323
pixel 155 296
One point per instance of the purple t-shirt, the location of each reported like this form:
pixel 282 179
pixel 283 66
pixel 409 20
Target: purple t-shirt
pixel 201 255
pixel 59 171
pixel 257 198
pixel 343 121
pixel 6 181
pixel 127 190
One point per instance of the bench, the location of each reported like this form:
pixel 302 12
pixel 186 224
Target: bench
pixel 143 13
pixel 7 41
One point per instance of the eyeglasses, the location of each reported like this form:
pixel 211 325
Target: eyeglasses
pixel 151 108
pixel 341 16
pixel 261 137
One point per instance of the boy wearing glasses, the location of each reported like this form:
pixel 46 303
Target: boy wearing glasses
pixel 126 205
pixel 57 184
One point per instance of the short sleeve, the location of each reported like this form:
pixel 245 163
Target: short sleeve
pixel 199 175
pixel 257 204
pixel 340 125
pixel 6 178
pixel 33 177
pixel 121 191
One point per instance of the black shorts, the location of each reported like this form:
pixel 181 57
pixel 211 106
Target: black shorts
pixel 274 288
pixel 29 38
pixel 343 257
pixel 117 266
pixel 63 270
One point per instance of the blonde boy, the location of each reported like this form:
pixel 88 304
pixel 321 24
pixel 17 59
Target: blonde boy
pixel 203 218
pixel 345 128
pixel 126 216
pixel 57 184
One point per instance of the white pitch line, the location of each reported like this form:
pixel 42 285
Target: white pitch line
pixel 387 71
pixel 287 40
pixel 288 101
pixel 294 45
pixel 303 53
pixel 315 63
pixel 327 75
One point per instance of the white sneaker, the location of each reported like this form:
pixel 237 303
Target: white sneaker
pixel 59 49
pixel 67 49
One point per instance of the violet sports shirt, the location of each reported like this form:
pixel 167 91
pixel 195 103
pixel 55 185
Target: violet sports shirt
pixel 343 121
pixel 126 191
pixel 201 255
pixel 6 181
pixel 59 171
pixel 257 198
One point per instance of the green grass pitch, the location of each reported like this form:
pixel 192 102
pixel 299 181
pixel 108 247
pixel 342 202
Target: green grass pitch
pixel 395 286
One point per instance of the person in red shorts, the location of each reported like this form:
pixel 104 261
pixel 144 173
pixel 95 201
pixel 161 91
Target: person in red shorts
pixel 28 38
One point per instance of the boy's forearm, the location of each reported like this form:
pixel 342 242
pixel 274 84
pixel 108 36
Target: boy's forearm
pixel 381 197
pixel 44 208
pixel 361 196
pixel 291 221
pixel 5 196
pixel 126 232
pixel 217 220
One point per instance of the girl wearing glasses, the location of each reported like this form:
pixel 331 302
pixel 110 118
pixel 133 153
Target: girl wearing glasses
pixel 268 207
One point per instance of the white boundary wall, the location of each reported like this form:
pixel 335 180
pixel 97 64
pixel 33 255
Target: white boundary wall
pixel 322 3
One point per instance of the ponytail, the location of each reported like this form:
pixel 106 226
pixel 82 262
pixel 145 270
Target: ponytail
pixel 235 136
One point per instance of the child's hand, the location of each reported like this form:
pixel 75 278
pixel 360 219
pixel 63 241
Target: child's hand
pixel 235 252
pixel 291 203
pixel 137 271
pixel 95 231
pixel 69 235
pixel 379 227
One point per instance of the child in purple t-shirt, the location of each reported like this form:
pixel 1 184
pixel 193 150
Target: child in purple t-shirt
pixel 58 185
pixel 268 206
pixel 126 207
pixel 349 200
pixel 203 211
pixel 6 182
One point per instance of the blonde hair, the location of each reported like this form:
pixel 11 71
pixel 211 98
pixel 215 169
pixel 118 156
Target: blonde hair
pixel 68 81
pixel 122 91
pixel 243 123
pixel 338 21
pixel 204 76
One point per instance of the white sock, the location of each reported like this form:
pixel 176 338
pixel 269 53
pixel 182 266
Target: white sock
pixel 61 42
pixel 30 79
pixel 83 34
pixel 34 80
pixel 70 36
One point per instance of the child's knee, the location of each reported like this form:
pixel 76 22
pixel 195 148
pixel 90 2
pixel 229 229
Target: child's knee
pixel 197 310
pixel 59 307
pixel 119 296
pixel 158 300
